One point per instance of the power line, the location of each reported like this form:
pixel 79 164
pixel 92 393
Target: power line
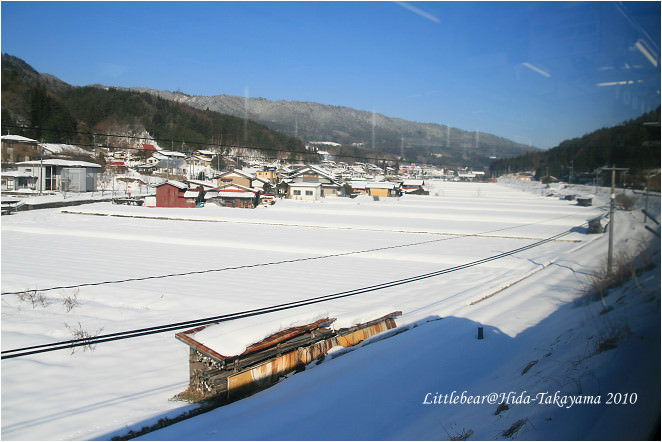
pixel 194 143
pixel 265 264
pixel 25 351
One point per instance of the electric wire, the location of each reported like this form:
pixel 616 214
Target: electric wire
pixel 25 351
pixel 271 263
pixel 208 145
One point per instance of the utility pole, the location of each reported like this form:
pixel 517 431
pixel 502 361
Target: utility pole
pixel 41 166
pixel 612 198
pixel 612 203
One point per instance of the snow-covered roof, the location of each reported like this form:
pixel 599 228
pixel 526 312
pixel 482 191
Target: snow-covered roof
pixel 235 194
pixel 191 194
pixel 262 180
pixel 204 184
pixel 177 184
pixel 413 182
pixel 313 169
pixel 305 184
pixel 60 148
pixel 237 172
pixel 58 162
pixel 236 187
pixel 18 139
pixel 17 174
pixel 172 163
pixel 380 185
pixel 161 154
pixel 232 338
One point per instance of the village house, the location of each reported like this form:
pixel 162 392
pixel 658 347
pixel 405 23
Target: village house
pixel 328 187
pixel 268 173
pixel 234 195
pixel 13 181
pixel 359 186
pixel 241 178
pixel 16 148
pixel 57 174
pixel 171 166
pixel 202 157
pixel 116 166
pixel 414 187
pixel 304 191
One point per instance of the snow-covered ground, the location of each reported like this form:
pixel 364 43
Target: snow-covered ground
pixel 523 301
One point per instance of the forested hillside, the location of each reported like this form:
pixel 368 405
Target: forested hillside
pixel 41 107
pixel 634 144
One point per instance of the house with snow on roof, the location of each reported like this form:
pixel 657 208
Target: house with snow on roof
pixel 234 195
pixel 241 178
pixel 310 182
pixel 413 187
pixel 57 174
pixel 18 148
pixel 202 157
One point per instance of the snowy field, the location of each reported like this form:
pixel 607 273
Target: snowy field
pixel 296 250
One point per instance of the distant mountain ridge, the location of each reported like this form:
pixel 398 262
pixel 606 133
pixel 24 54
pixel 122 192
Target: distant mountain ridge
pixel 362 133
pixel 344 125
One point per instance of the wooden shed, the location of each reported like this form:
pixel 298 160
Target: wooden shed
pixel 173 194
pixel 263 363
pixel 382 189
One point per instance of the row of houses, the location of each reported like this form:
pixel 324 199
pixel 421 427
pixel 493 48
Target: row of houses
pixel 307 182
pixel 238 188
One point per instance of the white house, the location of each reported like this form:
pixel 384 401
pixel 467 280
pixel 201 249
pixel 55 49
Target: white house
pixel 314 175
pixel 304 191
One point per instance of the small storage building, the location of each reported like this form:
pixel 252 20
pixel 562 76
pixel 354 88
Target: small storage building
pixel 173 194
pixel 382 189
pixel 261 364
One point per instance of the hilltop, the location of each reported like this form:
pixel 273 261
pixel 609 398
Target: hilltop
pixel 424 142
pixel 633 144
pixel 40 106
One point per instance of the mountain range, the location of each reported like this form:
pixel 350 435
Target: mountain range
pixel 42 100
pixel 310 121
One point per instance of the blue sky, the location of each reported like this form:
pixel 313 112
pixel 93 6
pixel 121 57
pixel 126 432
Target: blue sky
pixel 534 72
